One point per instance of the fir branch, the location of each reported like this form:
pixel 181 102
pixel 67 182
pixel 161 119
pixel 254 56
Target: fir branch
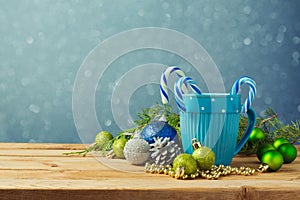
pixel 273 129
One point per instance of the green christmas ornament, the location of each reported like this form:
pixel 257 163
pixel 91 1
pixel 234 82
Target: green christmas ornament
pixel 186 162
pixel 279 141
pixel 273 159
pixel 204 156
pixel 257 135
pixel 262 149
pixel 102 138
pixel 288 152
pixel 118 147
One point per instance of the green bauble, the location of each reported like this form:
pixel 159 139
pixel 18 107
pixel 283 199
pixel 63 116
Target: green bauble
pixel 288 152
pixel 262 149
pixel 102 138
pixel 118 147
pixel 205 157
pixel 279 141
pixel 187 162
pixel 273 159
pixel 257 135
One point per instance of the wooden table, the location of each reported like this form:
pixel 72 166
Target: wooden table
pixel 41 171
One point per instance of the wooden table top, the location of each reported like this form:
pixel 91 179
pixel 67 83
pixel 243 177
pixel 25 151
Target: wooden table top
pixel 41 171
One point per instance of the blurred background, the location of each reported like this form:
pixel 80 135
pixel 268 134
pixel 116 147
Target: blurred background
pixel 43 43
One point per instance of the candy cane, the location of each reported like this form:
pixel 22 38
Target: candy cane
pixel 252 93
pixel 164 82
pixel 179 90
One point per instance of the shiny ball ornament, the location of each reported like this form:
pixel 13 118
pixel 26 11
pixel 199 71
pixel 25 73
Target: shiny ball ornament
pixel 273 159
pixel 262 149
pixel 288 152
pixel 185 162
pixel 157 129
pixel 279 141
pixel 136 151
pixel 257 135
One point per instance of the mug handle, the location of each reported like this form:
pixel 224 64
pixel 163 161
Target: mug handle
pixel 251 124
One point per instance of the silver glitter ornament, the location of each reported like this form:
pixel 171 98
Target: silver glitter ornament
pixel 136 151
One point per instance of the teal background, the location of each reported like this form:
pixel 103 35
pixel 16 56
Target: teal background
pixel 44 42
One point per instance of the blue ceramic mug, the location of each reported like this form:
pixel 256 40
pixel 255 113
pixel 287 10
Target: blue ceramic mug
pixel 213 119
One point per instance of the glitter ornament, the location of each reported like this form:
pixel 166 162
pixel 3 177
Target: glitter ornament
pixel 158 129
pixel 204 156
pixel 136 151
pixel 185 164
pixel 164 151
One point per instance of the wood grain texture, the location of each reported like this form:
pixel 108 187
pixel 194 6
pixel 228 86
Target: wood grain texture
pixel 41 171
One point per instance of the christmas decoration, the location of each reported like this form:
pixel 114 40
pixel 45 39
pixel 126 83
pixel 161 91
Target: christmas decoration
pixel 262 149
pixel 118 147
pixel 257 135
pixel 204 156
pixel 288 152
pixel 186 164
pixel 180 89
pixel 164 151
pixel 252 92
pixel 272 161
pixel 163 82
pixel 157 111
pixel 102 138
pixel 214 173
pixel 136 151
pixel 280 141
pixel 158 129
pixel 160 132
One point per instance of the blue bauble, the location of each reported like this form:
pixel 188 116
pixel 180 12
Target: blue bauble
pixel 158 129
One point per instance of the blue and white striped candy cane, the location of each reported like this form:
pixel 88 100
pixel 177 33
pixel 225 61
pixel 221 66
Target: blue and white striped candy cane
pixel 180 89
pixel 164 82
pixel 252 92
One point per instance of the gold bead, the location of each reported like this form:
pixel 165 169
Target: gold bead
pixel 209 176
pixel 171 173
pixel 193 176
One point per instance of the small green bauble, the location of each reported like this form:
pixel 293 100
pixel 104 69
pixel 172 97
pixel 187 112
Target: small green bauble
pixel 262 149
pixel 256 135
pixel 118 147
pixel 279 141
pixel 288 152
pixel 205 157
pixel 102 138
pixel 187 162
pixel 273 159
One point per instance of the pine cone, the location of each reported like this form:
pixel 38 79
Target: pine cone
pixel 163 151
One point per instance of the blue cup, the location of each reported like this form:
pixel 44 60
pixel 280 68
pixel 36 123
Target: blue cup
pixel 213 119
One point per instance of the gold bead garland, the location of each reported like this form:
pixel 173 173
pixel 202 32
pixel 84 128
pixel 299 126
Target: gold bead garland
pixel 214 173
